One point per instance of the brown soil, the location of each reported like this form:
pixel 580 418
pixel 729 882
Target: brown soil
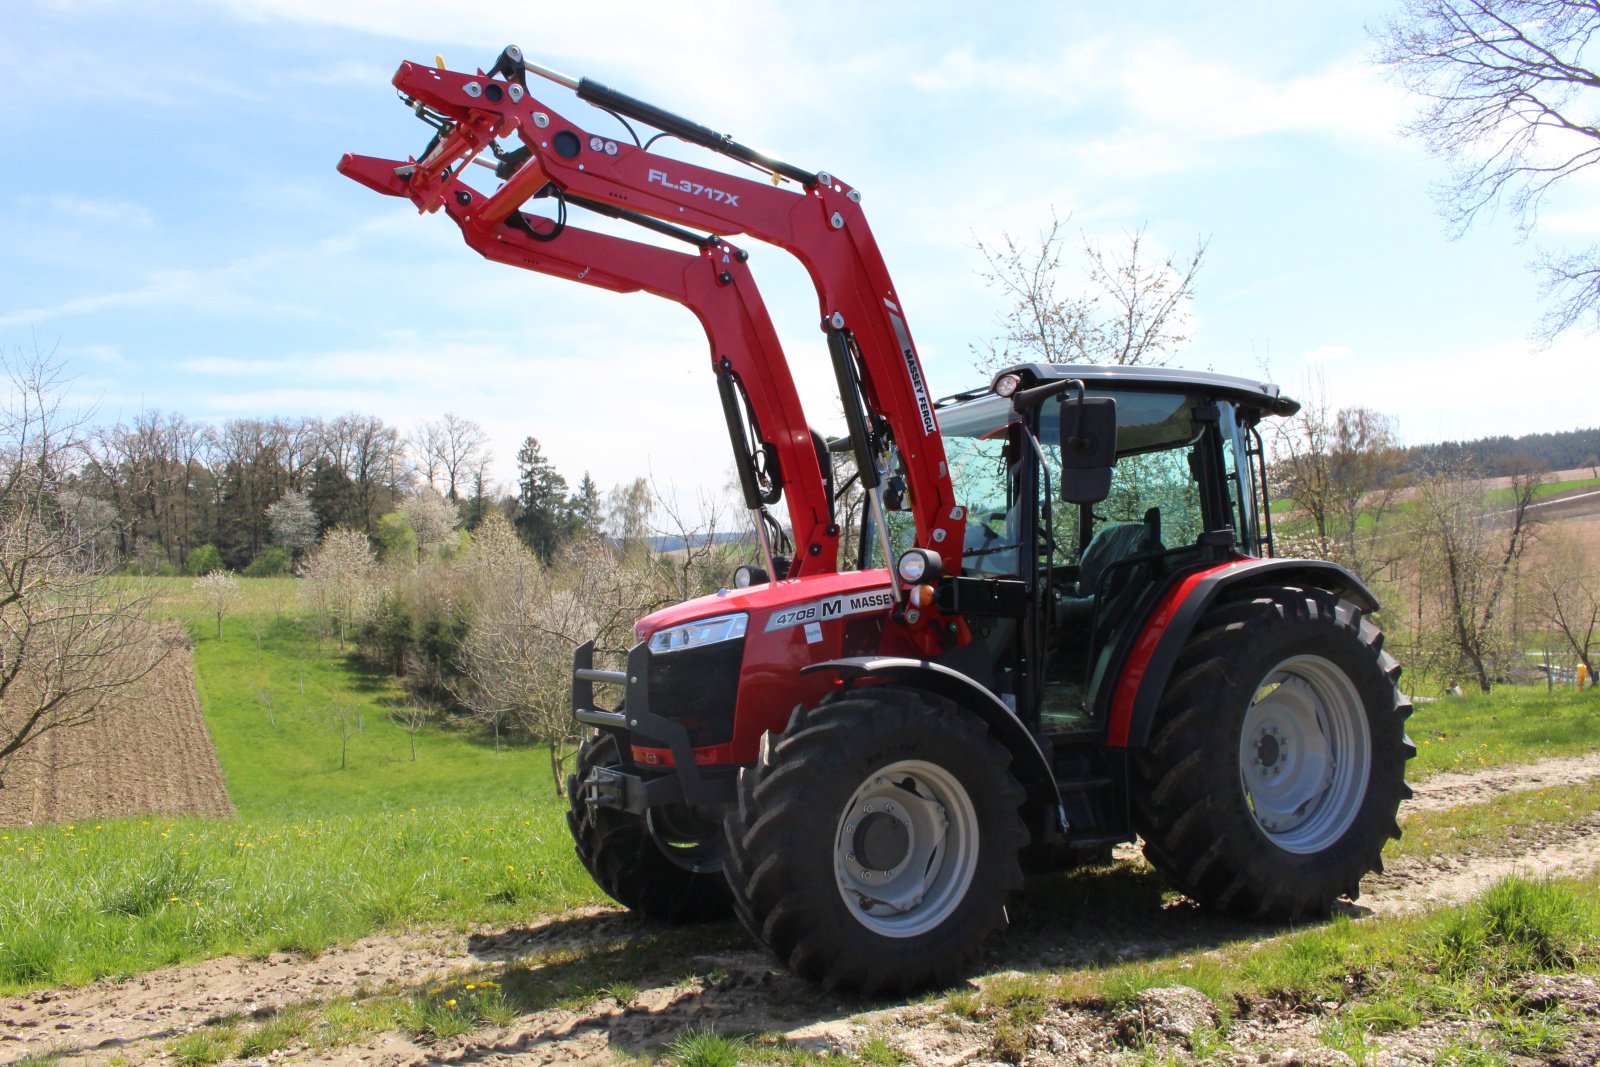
pixel 148 754
pixel 747 991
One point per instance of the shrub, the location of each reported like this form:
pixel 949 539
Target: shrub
pixel 203 559
pixel 271 563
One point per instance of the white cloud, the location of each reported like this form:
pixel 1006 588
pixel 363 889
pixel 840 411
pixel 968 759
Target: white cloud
pixel 160 287
pixel 122 212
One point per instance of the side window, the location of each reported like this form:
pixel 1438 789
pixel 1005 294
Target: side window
pixel 983 484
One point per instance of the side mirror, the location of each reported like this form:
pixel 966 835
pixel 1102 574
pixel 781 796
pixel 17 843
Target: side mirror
pixel 1088 428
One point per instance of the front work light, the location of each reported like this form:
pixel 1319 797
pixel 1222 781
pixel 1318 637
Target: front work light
pixel 700 633
pixel 745 575
pixel 918 565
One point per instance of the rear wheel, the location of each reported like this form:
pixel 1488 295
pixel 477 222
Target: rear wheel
pixel 666 863
pixel 874 845
pixel 1277 762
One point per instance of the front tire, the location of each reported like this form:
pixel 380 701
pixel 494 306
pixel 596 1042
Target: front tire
pixel 875 844
pixel 1277 762
pixel 661 864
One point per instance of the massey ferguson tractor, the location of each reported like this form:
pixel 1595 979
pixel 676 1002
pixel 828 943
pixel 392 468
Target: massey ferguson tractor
pixel 1061 627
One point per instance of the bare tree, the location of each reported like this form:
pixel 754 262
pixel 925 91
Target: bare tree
pixel 218 591
pixel 1510 104
pixel 1343 469
pixel 1470 552
pixel 694 540
pixel 345 722
pixel 411 716
pixel 449 452
pixel 341 579
pixel 1130 312
pixel 268 700
pixel 69 640
pixel 1566 588
pixel 628 513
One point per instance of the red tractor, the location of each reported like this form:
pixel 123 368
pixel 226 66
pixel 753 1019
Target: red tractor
pixel 1061 627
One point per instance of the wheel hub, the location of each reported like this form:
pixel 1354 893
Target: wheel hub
pixel 1304 754
pixel 905 848
pixel 882 842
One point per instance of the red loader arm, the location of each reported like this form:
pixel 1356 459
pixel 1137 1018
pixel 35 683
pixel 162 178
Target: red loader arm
pixel 715 284
pixel 822 225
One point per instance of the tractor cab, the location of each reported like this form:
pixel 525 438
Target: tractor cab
pixel 1186 489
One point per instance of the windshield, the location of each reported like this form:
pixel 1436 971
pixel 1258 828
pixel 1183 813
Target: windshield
pixel 1154 481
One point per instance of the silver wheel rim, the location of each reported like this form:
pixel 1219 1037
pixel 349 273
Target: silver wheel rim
pixel 1305 754
pixel 905 848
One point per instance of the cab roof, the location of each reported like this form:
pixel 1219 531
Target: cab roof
pixel 1263 397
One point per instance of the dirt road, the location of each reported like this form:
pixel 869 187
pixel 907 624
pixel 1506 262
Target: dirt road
pixel 743 989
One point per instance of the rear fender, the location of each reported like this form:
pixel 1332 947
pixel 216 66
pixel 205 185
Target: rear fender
pixel 1149 661
pixel 1042 809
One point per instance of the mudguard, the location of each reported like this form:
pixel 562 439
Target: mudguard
pixel 1149 661
pixel 1028 760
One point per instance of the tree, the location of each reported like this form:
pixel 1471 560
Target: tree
pixel 1470 552
pixel 1343 469
pixel 293 521
pixel 587 509
pixel 397 541
pixel 1566 588
pixel 544 518
pixel 218 591
pixel 340 579
pixel 1131 313
pixel 1509 101
pixel 628 510
pixel 69 641
pixel 449 452
pixel 432 517
pixel 411 716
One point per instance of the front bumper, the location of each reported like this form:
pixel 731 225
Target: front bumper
pixel 630 789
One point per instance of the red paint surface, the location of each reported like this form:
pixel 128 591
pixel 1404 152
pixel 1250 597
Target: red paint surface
pixel 1138 664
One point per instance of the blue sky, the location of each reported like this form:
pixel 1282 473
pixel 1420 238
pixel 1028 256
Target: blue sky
pixel 174 229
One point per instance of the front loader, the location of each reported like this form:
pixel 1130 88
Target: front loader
pixel 1062 625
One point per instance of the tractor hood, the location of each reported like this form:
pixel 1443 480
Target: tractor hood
pixel 779 605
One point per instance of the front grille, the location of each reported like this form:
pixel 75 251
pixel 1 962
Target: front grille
pixel 696 687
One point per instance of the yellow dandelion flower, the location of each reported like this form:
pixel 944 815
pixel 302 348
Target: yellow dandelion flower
pixel 450 1003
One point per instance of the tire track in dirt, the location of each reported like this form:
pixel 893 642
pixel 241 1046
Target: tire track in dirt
pixel 752 992
pixel 1453 789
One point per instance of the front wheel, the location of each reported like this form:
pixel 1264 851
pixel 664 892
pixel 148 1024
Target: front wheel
pixel 1277 762
pixel 666 863
pixel 875 844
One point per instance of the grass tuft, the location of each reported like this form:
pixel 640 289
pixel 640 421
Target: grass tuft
pixel 703 1048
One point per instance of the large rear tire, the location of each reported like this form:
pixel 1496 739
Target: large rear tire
pixel 1277 762
pixel 874 845
pixel 665 864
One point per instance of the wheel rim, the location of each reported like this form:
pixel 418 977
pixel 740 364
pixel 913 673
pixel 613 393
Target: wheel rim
pixel 905 848
pixel 1305 754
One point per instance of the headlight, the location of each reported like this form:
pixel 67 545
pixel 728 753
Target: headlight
pixel 700 633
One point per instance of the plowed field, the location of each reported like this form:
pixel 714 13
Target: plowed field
pixel 149 754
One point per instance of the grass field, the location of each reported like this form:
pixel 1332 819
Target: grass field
pixel 1513 724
